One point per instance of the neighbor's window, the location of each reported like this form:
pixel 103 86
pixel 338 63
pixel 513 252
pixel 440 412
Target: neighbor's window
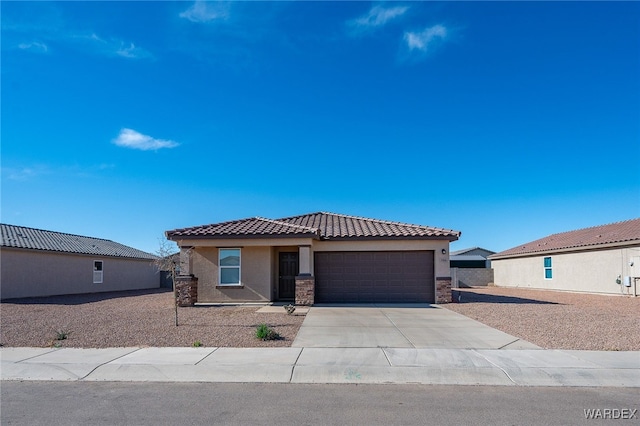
pixel 97 272
pixel 229 262
pixel 548 274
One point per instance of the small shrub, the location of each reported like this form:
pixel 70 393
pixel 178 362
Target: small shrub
pixel 263 332
pixel 290 308
pixel 62 334
pixel 196 344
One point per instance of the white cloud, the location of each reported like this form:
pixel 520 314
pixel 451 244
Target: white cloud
pixel 34 46
pixel 377 17
pixel 24 173
pixel 203 11
pixel 113 47
pixel 132 51
pixel 425 39
pixel 129 138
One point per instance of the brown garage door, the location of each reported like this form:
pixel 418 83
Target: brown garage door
pixel 373 276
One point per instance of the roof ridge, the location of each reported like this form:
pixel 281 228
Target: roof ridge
pixel 59 233
pixel 388 222
pixel 214 224
pixel 591 227
pixel 293 225
pixel 25 237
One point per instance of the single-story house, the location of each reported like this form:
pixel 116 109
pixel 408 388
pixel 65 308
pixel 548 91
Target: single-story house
pixel 38 263
pixel 471 267
pixel 316 258
pixel 601 259
pixel 474 257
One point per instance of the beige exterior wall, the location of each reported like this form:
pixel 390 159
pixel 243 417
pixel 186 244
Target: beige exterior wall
pixel 587 271
pixel 255 275
pixel 259 263
pixel 31 273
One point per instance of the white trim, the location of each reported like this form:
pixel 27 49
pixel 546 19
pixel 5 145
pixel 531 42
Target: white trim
pixel 98 276
pixel 550 268
pixel 239 267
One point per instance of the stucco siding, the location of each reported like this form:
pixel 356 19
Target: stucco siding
pixel 259 265
pixel 255 275
pixel 587 271
pixel 32 273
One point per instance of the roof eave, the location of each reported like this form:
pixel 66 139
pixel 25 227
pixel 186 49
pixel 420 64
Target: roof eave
pixel 76 253
pixel 240 236
pixel 575 249
pixel 390 237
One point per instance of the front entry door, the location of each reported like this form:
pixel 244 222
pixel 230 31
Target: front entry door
pixel 288 270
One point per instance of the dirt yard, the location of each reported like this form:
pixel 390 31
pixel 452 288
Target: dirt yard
pixel 557 320
pixel 136 318
pixel 552 320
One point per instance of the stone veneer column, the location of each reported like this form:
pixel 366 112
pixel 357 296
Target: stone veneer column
pixel 305 290
pixel 186 290
pixel 443 290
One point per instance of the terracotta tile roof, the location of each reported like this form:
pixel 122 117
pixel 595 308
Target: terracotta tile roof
pixel 251 227
pixel 622 233
pixel 37 239
pixel 320 225
pixel 334 226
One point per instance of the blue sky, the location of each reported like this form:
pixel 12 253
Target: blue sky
pixel 507 121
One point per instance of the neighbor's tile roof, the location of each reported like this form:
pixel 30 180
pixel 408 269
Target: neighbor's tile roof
pixel 470 249
pixel 37 239
pixel 320 225
pixel 620 232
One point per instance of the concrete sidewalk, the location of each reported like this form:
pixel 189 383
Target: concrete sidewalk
pixel 515 367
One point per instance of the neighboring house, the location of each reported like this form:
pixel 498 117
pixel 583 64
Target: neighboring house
pixel 317 258
pixel 474 257
pixel 46 263
pixel 601 259
pixel 470 267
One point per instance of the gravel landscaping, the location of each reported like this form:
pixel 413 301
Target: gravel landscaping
pixel 556 320
pixel 552 320
pixel 137 318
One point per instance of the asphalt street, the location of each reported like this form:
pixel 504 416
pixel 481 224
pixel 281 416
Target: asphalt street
pixel 121 403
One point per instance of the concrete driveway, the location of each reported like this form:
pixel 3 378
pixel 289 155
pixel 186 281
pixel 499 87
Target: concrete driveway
pixel 399 326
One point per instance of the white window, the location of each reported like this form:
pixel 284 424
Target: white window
pixel 229 266
pixel 548 270
pixel 97 272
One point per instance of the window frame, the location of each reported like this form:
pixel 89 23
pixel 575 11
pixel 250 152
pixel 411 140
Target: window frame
pixel 222 267
pixel 548 268
pixel 99 280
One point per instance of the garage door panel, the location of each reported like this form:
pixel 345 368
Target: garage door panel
pixel 394 276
